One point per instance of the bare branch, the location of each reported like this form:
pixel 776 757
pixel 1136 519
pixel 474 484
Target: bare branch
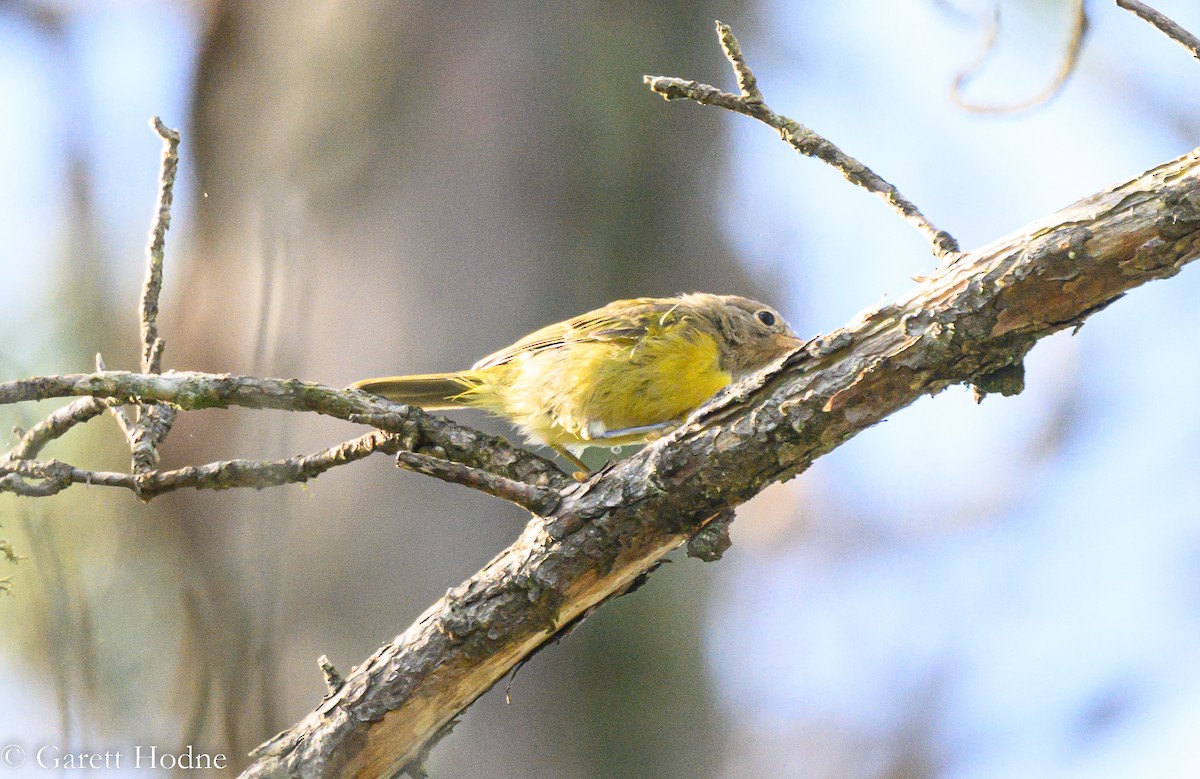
pixel 538 500
pixel 53 477
pixel 55 426
pixel 1170 28
pixel 56 476
pixel 154 422
pixel 799 137
pixel 263 473
pixel 151 345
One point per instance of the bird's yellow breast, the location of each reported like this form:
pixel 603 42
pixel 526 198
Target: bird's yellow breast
pixel 576 392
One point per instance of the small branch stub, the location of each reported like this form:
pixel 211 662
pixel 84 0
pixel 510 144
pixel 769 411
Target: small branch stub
pixel 333 679
pixel 711 542
pixel 1006 381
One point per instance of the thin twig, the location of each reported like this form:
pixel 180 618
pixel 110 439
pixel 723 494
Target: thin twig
pixel 55 426
pixel 1079 28
pixel 733 52
pixel 1170 28
pixel 154 422
pixel 539 500
pixel 156 355
pixel 472 448
pixel 802 139
pixel 55 476
pixel 151 350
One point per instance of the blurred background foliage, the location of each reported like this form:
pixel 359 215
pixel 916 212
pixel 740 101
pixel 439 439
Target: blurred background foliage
pixel 382 187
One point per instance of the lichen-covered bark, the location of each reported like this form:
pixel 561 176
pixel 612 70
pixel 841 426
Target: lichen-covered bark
pixel 972 321
pixel 415 431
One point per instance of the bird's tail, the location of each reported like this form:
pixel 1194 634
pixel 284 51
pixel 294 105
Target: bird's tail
pixel 430 391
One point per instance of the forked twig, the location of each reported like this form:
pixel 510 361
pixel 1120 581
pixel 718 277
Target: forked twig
pixel 802 139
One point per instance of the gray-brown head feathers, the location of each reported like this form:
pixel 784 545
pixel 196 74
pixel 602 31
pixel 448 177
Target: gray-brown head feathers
pixel 750 334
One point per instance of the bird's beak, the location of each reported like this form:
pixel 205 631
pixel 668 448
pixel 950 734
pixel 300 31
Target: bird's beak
pixel 788 343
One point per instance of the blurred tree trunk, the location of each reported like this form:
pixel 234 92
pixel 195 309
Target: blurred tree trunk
pixel 399 187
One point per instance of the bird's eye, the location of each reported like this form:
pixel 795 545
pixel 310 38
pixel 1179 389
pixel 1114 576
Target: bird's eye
pixel 766 317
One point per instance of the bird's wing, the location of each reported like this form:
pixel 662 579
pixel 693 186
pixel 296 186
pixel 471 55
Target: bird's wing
pixel 621 321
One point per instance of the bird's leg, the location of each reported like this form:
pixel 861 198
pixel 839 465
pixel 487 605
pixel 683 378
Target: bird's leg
pixel 583 471
pixel 611 438
pixel 646 433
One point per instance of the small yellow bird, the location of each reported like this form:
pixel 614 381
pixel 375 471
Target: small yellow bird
pixel 622 374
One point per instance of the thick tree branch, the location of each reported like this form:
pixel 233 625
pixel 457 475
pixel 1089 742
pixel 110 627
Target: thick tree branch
pixel 970 322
